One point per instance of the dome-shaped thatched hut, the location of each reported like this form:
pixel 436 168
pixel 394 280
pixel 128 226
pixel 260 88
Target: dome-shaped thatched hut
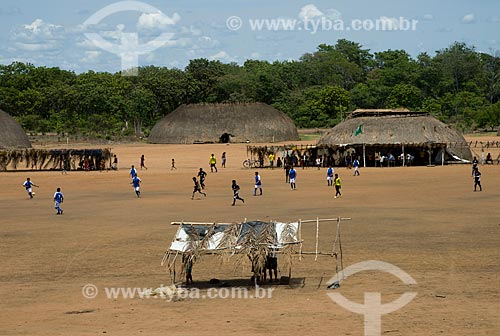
pixel 12 135
pixel 241 122
pixel 395 131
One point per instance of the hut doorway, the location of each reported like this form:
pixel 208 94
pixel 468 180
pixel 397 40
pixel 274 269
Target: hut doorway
pixel 225 138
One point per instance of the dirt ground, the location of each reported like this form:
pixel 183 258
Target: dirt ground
pixel 425 220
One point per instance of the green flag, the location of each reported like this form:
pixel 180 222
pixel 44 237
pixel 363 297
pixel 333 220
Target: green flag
pixel 358 130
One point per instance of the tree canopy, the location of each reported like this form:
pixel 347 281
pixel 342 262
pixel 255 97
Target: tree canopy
pixel 458 85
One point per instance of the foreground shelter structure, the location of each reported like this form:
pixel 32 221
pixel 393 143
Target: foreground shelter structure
pixel 230 122
pixel 249 242
pixel 12 135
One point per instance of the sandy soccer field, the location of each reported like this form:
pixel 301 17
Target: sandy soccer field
pixel 427 221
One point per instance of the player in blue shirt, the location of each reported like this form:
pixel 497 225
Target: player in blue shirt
pixel 136 181
pixel 58 199
pixel 133 172
pixel 258 184
pixel 355 164
pixel 329 176
pixel 28 185
pixel 293 175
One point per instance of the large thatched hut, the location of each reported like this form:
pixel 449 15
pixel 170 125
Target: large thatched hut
pixel 235 122
pixel 376 133
pixel 12 135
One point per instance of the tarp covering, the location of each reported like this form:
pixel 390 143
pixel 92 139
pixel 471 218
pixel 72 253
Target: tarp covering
pixel 217 236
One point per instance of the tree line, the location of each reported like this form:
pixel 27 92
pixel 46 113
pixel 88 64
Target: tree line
pixel 458 85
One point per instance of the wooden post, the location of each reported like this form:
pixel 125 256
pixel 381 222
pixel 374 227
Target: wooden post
pixel 300 239
pixel 317 238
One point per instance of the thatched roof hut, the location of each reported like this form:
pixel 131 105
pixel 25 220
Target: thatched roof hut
pixel 242 122
pixel 12 135
pixel 387 129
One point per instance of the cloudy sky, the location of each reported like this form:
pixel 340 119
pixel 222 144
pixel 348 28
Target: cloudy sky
pixel 102 35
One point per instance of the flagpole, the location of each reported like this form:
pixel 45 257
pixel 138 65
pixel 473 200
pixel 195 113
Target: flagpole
pixel 364 155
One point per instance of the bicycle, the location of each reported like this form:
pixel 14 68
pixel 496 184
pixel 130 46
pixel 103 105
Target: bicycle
pixel 250 163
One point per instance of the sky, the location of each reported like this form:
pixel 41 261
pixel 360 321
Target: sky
pixel 83 35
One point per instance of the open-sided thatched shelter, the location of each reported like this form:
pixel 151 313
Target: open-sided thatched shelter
pixel 235 122
pixel 12 135
pixel 381 132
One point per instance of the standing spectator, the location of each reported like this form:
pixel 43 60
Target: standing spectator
pixel 223 160
pixel 258 184
pixel 143 159
pixel 213 162
pixel 318 162
pixel 475 164
pixel 338 186
pixel 114 165
pixel 271 160
pixel 355 164
pixel 29 187
pixel 58 199
pixel 287 173
pixel 477 180
pixel 236 192
pixel 293 176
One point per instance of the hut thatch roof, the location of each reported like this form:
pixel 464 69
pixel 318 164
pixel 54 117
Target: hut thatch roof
pixel 393 127
pixel 12 135
pixel 254 122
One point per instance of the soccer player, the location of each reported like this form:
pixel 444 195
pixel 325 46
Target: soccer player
pixel 29 187
pixel 477 180
pixel 213 162
pixel 58 199
pixel 197 188
pixel 133 172
pixel 136 181
pixel 271 160
pixel 329 176
pixel 356 167
pixel 258 184
pixel 202 175
pixel 293 175
pixel 236 192
pixel 338 186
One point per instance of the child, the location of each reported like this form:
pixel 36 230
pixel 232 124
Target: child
pixel 338 186
pixel 136 181
pixel 197 188
pixel 173 165
pixel 143 159
pixel 236 191
pixel 58 199
pixel 224 160
pixel 28 185
pixel 258 184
